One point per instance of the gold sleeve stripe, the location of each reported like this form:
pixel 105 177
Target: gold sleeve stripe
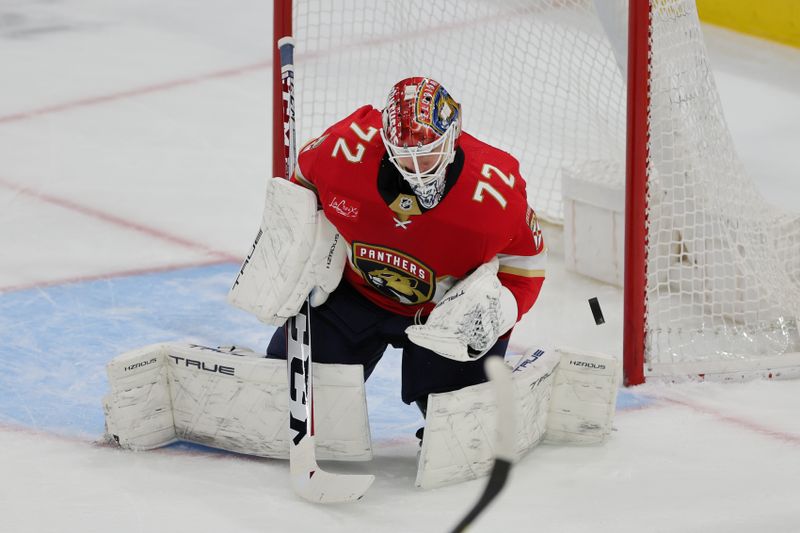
pixel 538 273
pixel 302 180
pixel 524 262
pixel 305 145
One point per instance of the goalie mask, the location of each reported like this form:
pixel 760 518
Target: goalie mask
pixel 421 123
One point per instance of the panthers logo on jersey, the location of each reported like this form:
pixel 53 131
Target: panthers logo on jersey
pixel 394 274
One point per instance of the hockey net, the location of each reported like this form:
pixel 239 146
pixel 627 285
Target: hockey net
pixel 546 81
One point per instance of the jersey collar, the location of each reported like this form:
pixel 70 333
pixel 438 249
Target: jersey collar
pixel 397 193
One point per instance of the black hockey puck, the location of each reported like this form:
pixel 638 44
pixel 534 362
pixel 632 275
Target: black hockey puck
pixel 596 311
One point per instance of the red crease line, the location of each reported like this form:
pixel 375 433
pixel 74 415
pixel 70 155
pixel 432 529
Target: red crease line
pixel 116 221
pixel 212 453
pixel 111 275
pixel 449 27
pixel 139 91
pixel 740 422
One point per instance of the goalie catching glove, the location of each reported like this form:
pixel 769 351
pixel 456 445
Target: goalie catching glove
pixel 297 251
pixel 470 318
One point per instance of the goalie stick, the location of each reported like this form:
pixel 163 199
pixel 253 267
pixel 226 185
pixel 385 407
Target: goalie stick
pixel 500 376
pixel 308 480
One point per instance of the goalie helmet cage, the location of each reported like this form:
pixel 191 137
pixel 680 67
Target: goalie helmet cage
pixel 712 272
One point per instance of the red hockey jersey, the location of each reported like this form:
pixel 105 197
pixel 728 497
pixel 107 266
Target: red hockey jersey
pixel 403 257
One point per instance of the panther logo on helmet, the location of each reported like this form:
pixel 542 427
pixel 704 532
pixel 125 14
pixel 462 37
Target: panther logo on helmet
pixel 435 107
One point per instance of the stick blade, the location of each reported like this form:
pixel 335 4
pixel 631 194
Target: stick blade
pixel 312 483
pixel 320 486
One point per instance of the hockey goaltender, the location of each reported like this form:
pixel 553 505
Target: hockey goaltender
pixel 403 230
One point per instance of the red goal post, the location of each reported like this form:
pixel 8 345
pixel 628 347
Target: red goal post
pixel 712 273
pixel 635 281
pixel 281 27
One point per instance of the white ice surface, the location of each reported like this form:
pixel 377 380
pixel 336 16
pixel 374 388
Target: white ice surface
pixel 134 137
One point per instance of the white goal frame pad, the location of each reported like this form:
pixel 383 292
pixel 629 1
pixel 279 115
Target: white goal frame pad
pixel 231 400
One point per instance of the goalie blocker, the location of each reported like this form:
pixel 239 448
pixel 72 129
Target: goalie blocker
pixel 297 254
pixel 236 400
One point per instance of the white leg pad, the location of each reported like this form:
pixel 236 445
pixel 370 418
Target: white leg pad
pixel 138 409
pixel 584 398
pixel 460 426
pixel 237 401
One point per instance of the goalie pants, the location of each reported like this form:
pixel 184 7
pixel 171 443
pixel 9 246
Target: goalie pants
pixel 349 329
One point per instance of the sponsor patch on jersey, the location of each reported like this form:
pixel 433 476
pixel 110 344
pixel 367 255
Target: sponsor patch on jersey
pixel 533 223
pixel 394 274
pixel 344 207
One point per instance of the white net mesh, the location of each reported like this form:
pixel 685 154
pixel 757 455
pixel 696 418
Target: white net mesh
pixel 536 78
pixel 724 266
pixel 543 79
